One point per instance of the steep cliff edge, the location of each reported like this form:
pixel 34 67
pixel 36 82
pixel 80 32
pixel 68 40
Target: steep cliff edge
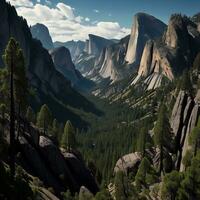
pixel 144 27
pixel 41 32
pixel 170 55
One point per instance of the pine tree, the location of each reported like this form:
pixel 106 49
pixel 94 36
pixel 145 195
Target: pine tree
pixel 171 185
pixel 146 175
pixel 10 59
pixel 44 118
pixel 194 139
pixel 3 111
pixel 141 142
pixel 190 185
pixel 120 186
pixel 30 115
pixel 162 132
pixel 68 139
pixel 55 128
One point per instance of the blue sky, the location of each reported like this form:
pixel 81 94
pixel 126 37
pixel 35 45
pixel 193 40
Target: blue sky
pixel 75 19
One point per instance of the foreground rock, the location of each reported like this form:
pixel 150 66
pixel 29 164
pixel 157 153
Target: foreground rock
pixel 128 163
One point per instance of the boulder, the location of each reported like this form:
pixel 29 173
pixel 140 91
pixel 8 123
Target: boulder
pixel 84 193
pixel 80 172
pixel 129 162
pixel 36 165
pixel 56 162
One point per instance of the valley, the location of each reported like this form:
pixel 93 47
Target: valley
pixel 104 118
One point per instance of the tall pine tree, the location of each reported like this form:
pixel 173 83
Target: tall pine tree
pixel 68 139
pixel 162 132
pixel 44 118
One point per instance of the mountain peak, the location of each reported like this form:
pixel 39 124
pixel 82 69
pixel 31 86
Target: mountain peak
pixel 144 27
pixel 41 32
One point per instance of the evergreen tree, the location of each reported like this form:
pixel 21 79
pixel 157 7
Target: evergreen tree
pixel 68 139
pixel 30 115
pixel 120 186
pixel 10 59
pixel 146 175
pixel 44 118
pixel 141 142
pixel 3 111
pixel 55 128
pixel 185 82
pixel 194 139
pixel 162 132
pixel 171 185
pixel 190 185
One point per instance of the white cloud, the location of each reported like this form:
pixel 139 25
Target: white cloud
pixel 64 25
pixel 38 1
pixel 96 11
pixel 24 3
pixel 66 10
pixel 87 19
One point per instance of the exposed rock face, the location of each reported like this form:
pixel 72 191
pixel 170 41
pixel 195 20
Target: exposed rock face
pixel 170 55
pixel 56 168
pixel 41 32
pixel 128 162
pixel 63 63
pixel 111 61
pixel 15 26
pixel 85 63
pixel 145 27
pixel 183 119
pixel 76 48
pixel 80 172
pixel 177 34
pixel 96 44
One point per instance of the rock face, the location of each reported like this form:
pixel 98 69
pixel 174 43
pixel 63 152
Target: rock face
pixel 183 119
pixel 111 61
pixel 41 32
pixel 56 168
pixel 171 54
pixel 96 44
pixel 129 162
pixel 145 27
pixel 76 48
pixel 63 63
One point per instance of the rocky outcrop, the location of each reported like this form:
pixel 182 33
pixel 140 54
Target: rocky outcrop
pixel 191 124
pixel 63 63
pixel 171 54
pixel 56 168
pixel 129 162
pixel 144 27
pixel 183 119
pixel 76 48
pixel 80 172
pixel 41 32
pixel 111 61
pixel 96 44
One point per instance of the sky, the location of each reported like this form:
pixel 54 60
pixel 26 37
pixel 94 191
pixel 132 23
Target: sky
pixel 75 19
